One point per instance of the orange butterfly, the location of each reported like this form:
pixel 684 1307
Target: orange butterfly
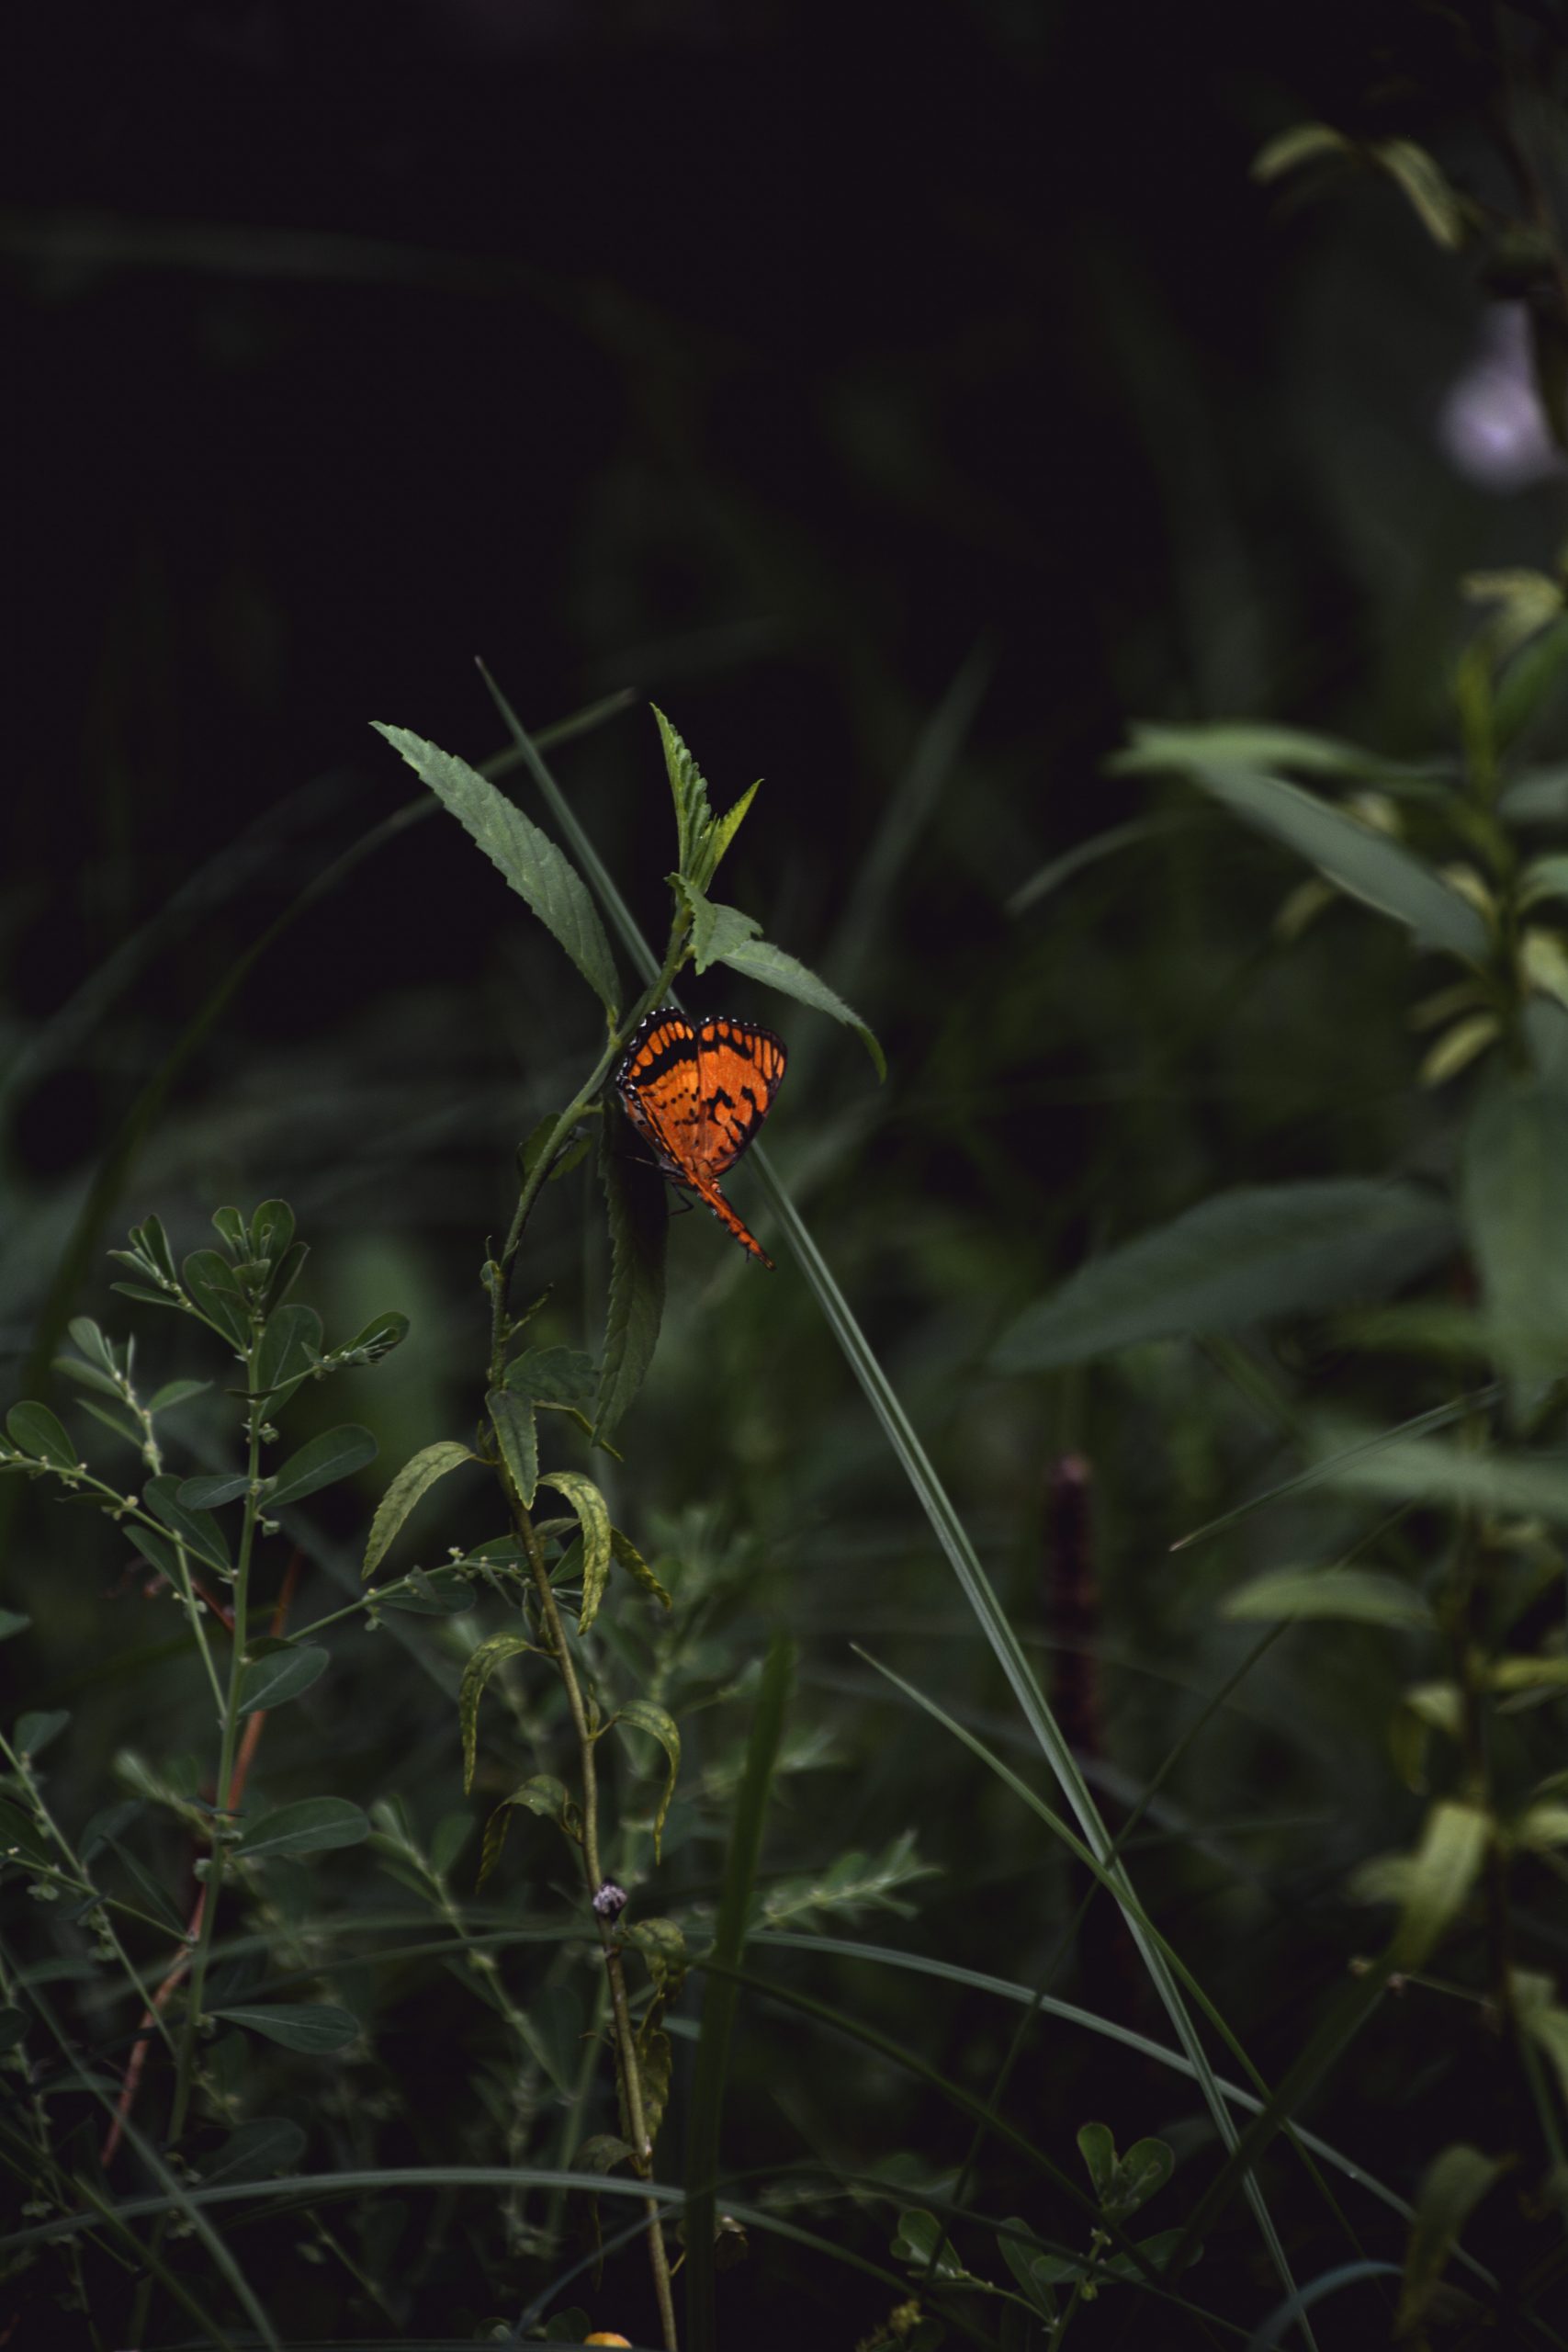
pixel 699 1091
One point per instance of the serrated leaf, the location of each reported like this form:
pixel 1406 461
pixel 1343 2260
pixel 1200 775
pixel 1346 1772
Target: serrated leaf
pixel 593 1517
pixel 539 872
pixel 213 1288
pixel 35 1431
pixel 412 1482
pixel 716 929
pixel 281 1675
pixel 723 832
pixel 761 960
pixel 552 1375
pixel 336 1453
pixel 629 1557
pixel 690 792
pixel 313 1825
pixel 640 1232
pixel 517 1435
pixel 314 2029
pixel 641 1714
pixel 541 1794
pixel 1357 1595
pixel 481 1665
pixel 1239 1259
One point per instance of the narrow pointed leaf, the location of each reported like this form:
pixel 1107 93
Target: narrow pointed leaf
pixel 413 1481
pixel 723 832
pixel 536 869
pixel 516 1433
pixel 481 1665
pixel 197 1530
pixel 1515 1213
pixel 212 1286
pixel 314 1825
pixel 593 1517
pixel 629 1557
pixel 314 2029
pixel 761 960
pixel 643 1715
pixel 1357 1595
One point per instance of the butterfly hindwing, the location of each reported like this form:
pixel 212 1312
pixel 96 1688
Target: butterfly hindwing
pixel 698 1092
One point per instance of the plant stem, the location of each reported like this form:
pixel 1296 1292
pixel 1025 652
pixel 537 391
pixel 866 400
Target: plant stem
pixel 624 2039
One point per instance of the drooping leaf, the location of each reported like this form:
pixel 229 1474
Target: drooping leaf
pixel 314 2029
pixel 1452 2187
pixel 1432 1884
pixel 542 1795
pixel 643 1715
pixel 336 1453
pixel 1237 1259
pixel 639 1231
pixel 481 1665
pixel 313 1825
pixel 761 960
pixel 279 1675
pixel 1359 1595
pixel 516 1433
pixel 539 872
pixel 412 1482
pixel 629 1557
pixel 593 1517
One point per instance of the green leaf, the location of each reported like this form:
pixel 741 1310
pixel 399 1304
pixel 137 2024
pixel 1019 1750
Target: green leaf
pixel 210 1493
pixel 517 1434
pixel 1452 2187
pixel 641 1714
pixel 1360 1595
pixel 536 868
pixel 1528 679
pixel 715 930
pixel 1544 877
pixel 279 1675
pixel 1515 1196
pixel 313 1825
pixel 412 1482
pixel 20 1836
pixel 640 1232
pixel 1237 1259
pixel 175 1392
pixel 724 830
pixel 214 1289
pixel 1097 2150
pixel 13 1620
pixel 1303 143
pixel 336 1453
pixel 1141 2174
pixel 265 2145
pixel 1253 743
pixel 541 1794
pixel 759 960
pixel 1432 1884
pixel 1365 864
pixel 1020 2249
pixel 36 1431
pixel 34 1732
pixel 593 1517
pixel 313 2028
pixel 693 813
pixel 86 1336
pixel 553 1376
pixel 291 1348
pixel 1430 196
pixel 481 1665
pixel 271 1231
pixel 924 2245
pixel 1424 1470
pixel 629 1557
pixel 197 1530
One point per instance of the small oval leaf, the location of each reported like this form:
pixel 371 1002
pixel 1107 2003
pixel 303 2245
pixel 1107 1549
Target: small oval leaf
pixel 281 1675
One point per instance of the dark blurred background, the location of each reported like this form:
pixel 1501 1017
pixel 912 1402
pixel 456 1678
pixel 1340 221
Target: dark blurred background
pixel 904 400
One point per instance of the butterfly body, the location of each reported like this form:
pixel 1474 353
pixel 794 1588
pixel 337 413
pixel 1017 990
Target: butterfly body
pixel 697 1091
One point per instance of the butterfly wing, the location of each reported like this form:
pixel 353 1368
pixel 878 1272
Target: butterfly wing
pixel 742 1070
pixel 658 1080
